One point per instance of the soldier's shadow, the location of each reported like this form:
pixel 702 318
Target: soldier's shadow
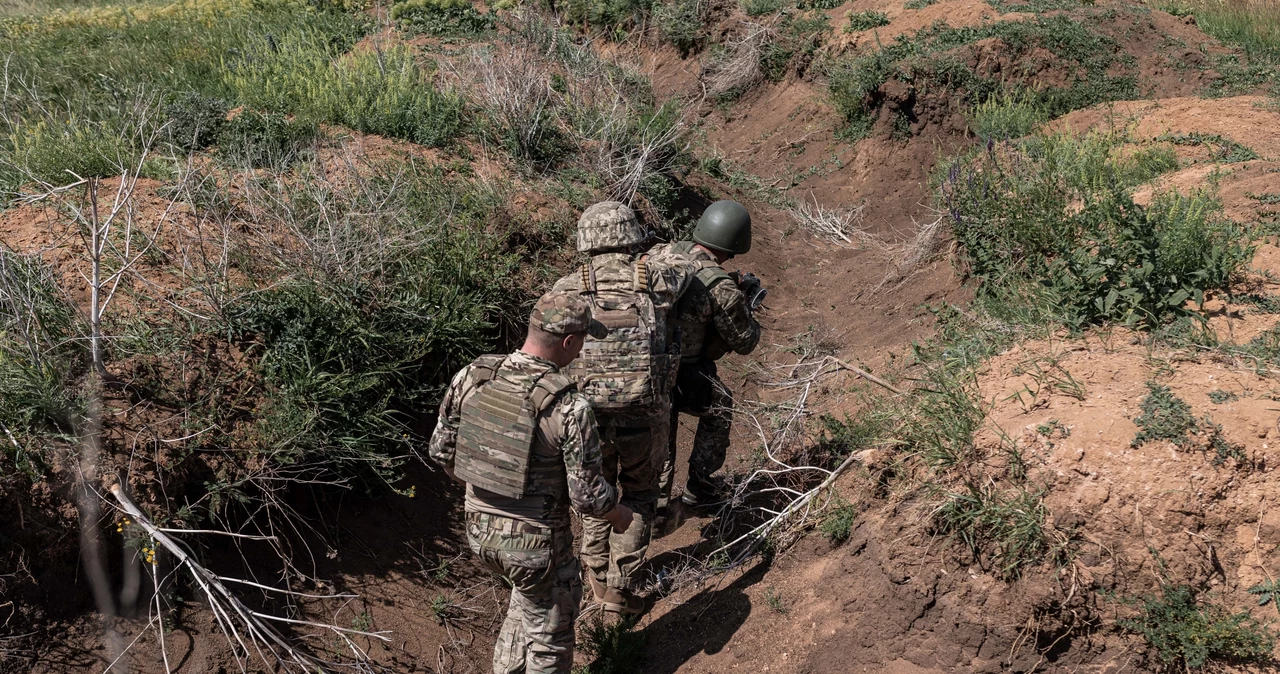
pixel 703 624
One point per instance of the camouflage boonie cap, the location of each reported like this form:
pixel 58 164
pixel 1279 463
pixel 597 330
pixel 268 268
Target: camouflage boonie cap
pixel 609 224
pixel 565 314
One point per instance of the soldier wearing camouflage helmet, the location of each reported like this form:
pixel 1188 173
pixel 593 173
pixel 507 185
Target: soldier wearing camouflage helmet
pixel 627 376
pixel 714 317
pixel 516 430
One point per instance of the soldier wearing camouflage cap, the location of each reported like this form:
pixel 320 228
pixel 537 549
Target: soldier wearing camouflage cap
pixel 516 430
pixel 714 317
pixel 627 376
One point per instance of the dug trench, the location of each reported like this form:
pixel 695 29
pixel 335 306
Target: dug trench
pixel 893 591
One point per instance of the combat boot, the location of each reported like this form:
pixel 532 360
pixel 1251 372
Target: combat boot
pixel 614 600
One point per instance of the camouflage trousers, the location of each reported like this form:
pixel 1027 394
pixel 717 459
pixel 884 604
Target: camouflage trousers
pixel 699 392
pixel 633 448
pixel 546 587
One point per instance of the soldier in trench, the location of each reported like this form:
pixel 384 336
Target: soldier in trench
pixel 627 376
pixel 516 430
pixel 714 317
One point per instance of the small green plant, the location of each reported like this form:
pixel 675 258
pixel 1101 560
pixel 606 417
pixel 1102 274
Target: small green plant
pixel 1183 631
pixel 1267 592
pixel 1053 429
pixel 774 600
pixel 837 522
pixel 1266 198
pixel 1219 397
pixel 1164 416
pixel 362 622
pixel 614 647
pixel 821 5
pixel 918 4
pixel 441 17
pixel 866 20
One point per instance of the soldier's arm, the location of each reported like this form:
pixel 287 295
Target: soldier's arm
pixel 589 492
pixel 737 327
pixel 444 439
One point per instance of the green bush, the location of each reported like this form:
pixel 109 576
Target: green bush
pixel 51 149
pixel 1186 633
pixel 866 20
pixel 763 7
pixel 614 647
pixel 194 120
pixel 265 140
pixel 1054 212
pixel 615 15
pixel 680 23
pixel 1008 115
pixel 441 17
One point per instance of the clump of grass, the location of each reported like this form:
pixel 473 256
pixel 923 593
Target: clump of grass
pixel 1005 526
pixel 1008 115
pixel 681 24
pixel 866 20
pixel 614 647
pixel 1052 216
pixel 774 600
pixel 264 140
pixel 1252 25
pixel 763 7
pixel 917 4
pixel 1220 397
pixel 837 522
pixel 1184 632
pixel 928 61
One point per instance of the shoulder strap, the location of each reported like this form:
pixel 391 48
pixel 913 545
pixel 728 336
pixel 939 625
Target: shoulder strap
pixel 711 274
pixel 486 367
pixel 549 388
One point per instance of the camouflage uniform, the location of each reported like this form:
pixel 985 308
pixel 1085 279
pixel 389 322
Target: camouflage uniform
pixel 527 538
pixel 634 440
pixel 713 318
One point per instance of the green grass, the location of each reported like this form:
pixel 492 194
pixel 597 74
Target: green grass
pixel 613 647
pixel 1252 25
pixel 837 521
pixel 1005 526
pixel 441 17
pixel 1183 631
pixel 1051 217
pixel 866 20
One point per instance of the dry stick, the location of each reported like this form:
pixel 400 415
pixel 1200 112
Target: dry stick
pixel 868 376
pixel 227 606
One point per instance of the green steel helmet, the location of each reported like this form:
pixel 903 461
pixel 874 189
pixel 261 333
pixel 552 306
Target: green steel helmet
pixel 609 224
pixel 725 226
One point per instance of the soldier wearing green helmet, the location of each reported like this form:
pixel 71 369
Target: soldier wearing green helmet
pixel 714 316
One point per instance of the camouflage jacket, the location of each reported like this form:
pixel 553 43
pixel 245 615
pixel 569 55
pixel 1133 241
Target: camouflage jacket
pixel 566 432
pixel 667 281
pixel 713 310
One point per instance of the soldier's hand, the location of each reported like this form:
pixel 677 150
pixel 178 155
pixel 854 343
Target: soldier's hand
pixel 620 517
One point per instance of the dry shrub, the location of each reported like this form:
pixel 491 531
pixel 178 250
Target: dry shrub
pixel 841 226
pixel 738 69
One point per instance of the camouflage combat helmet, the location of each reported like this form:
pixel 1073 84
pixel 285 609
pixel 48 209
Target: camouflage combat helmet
pixel 609 224
pixel 725 226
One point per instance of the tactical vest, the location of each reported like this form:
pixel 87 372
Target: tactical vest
pixel 634 366
pixel 499 425
pixel 696 310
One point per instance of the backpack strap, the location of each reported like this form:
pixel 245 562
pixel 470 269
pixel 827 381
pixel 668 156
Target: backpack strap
pixel 549 388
